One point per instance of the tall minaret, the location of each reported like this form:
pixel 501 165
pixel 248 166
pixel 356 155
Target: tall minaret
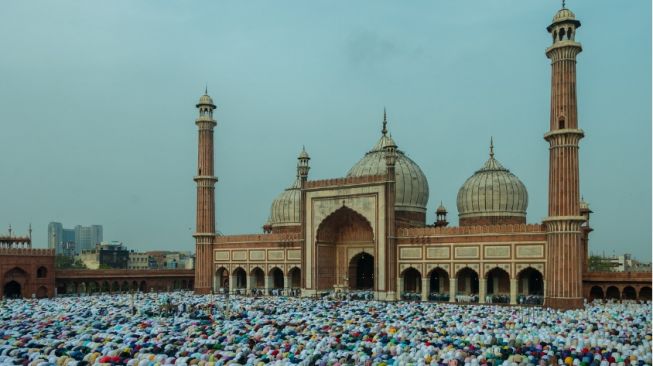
pixel 564 282
pixel 205 228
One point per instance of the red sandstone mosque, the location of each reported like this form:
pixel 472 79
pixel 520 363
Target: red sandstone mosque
pixel 368 230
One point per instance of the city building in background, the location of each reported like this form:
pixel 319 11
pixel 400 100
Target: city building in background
pixel 163 259
pixel 138 260
pixel 106 255
pixel 619 263
pixel 70 242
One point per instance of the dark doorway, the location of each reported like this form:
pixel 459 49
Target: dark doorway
pixel 277 278
pixel 12 290
pixel 361 272
pixel 439 281
pixel 295 277
pixel 531 282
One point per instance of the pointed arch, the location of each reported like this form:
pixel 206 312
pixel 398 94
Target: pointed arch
pixel 438 284
pixel 343 226
pixel 467 279
pixel 498 281
pixel 276 278
pixel 412 280
pixel 239 277
pixel 295 276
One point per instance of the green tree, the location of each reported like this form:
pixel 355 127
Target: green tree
pixel 66 262
pixel 600 264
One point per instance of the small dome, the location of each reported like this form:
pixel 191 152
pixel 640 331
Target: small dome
pixel 564 14
pixel 286 207
pixel 303 154
pixel 441 209
pixel 411 186
pixel 205 100
pixel 493 191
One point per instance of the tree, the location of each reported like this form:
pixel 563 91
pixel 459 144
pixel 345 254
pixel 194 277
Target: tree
pixel 67 262
pixel 600 264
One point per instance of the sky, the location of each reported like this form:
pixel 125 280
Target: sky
pixel 97 106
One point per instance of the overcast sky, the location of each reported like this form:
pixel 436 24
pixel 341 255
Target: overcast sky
pixel 97 106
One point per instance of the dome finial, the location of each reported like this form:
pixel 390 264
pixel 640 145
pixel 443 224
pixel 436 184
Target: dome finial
pixel 563 4
pixel 491 148
pixel 384 131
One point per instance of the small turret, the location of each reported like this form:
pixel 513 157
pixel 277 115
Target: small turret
pixel 441 216
pixel 302 164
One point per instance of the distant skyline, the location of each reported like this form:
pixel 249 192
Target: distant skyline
pixel 97 107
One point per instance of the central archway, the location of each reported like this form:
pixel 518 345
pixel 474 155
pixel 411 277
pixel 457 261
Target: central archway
pixel 339 236
pixel 361 272
pixel 12 290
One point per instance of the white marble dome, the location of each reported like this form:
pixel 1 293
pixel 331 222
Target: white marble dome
pixel 411 188
pixel 564 14
pixel 493 191
pixel 286 207
pixel 205 100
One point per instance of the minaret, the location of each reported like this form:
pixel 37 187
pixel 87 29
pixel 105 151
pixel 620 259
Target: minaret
pixel 390 156
pixel 564 281
pixel 302 172
pixel 205 228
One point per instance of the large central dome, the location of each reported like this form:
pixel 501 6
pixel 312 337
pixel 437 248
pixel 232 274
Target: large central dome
pixel 412 189
pixel 493 195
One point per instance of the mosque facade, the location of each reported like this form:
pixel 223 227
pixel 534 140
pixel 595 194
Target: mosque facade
pixel 368 230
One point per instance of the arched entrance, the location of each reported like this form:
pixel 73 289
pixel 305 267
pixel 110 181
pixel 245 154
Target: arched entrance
pixel 295 277
pixel 612 293
pixel 438 281
pixel 12 290
pixel 467 281
pixel 240 278
pixel 336 235
pixel 498 282
pixel 439 285
pixel 15 282
pixel 361 272
pixel 645 293
pixel 530 282
pixel 258 278
pixel 412 281
pixel 629 293
pixel 221 280
pixel 596 293
pixel 276 277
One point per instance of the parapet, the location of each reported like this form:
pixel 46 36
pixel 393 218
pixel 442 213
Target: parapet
pixel 27 252
pixel 471 230
pixel 335 182
pixel 287 237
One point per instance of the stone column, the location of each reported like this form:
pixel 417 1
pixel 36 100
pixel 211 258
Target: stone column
pixel 286 282
pixel 232 283
pixel 513 291
pixel 250 281
pixel 482 289
pixel 269 283
pixel 425 289
pixel 453 289
pixel 400 287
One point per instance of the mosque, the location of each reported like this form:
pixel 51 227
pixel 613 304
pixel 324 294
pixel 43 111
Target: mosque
pixel 368 230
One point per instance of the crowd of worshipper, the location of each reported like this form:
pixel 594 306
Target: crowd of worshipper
pixel 181 328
